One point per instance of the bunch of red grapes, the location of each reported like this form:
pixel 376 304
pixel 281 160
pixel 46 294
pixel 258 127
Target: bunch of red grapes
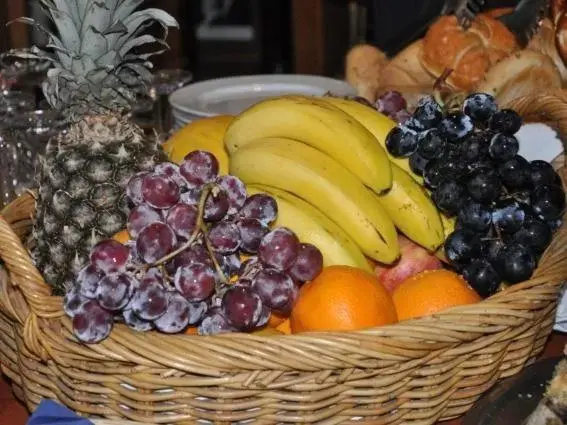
pixel 190 228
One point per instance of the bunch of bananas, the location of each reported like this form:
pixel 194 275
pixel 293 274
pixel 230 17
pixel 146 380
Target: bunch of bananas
pixel 324 160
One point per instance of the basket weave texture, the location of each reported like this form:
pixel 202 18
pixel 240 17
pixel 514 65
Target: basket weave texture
pixel 415 372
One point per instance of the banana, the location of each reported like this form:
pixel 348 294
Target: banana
pixel 448 228
pixel 312 226
pixel 376 123
pixel 317 124
pixel 320 180
pixel 413 211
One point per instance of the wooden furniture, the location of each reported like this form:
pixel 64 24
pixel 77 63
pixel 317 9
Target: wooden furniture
pixel 17 35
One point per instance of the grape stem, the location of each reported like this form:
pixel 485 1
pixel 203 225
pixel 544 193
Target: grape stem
pixel 218 269
pixel 198 227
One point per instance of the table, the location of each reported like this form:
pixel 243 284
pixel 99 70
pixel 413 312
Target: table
pixel 13 413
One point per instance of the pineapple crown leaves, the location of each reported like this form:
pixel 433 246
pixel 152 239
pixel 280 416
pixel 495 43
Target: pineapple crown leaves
pixel 93 52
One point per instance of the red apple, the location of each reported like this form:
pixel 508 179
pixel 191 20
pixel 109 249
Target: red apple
pixel 413 259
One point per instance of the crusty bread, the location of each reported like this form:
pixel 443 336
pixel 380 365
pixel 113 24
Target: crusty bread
pixel 524 73
pixel 468 53
pixel 363 66
pixel 544 42
pixel 406 69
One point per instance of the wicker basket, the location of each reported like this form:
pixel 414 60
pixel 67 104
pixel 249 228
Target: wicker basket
pixel 415 372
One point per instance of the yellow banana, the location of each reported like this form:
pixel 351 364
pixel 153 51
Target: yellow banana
pixel 320 180
pixel 413 211
pixel 311 226
pixel 318 124
pixel 376 123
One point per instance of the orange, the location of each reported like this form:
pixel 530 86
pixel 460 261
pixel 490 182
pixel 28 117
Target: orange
pixel 431 291
pixel 284 327
pixel 123 236
pixel 342 298
pixel 275 320
pixel 192 330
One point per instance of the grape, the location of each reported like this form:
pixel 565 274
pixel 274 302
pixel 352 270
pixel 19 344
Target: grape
pixel 391 102
pixel 235 190
pixel 182 219
pixel 462 245
pixel 535 235
pixel 515 263
pixel 88 279
pixel 159 191
pixel 514 173
pixel 503 147
pixel 475 216
pixel 140 216
pixel 243 307
pixel 224 237
pixel 196 282
pixel 480 107
pixel 484 185
pixel 431 144
pixel 73 302
pixel 508 216
pixel 177 316
pixel 482 277
pixel 109 256
pixel 428 112
pixel 215 322
pixel 506 121
pixel 264 317
pixel 171 170
pixel 417 163
pixel 93 323
pixel 474 147
pixel 455 126
pixel 260 206
pixel 150 300
pixel 114 291
pixel 401 142
pixel 491 249
pixel 155 242
pixel 216 206
pixel 196 253
pixel 541 172
pixel 401 117
pixel 548 201
pixel 449 196
pixel 275 288
pixel 229 264
pixel 279 248
pixel 134 322
pixel 433 173
pixel 199 168
pixel 308 265
pixel 250 268
pixel 191 196
pixel 554 225
pixel 483 162
pixel 134 188
pixel 251 233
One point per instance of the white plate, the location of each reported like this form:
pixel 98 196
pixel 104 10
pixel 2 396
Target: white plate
pixel 234 94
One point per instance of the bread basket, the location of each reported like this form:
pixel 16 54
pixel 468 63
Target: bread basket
pixel 415 372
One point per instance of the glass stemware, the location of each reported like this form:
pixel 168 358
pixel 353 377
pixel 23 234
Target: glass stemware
pixel 164 83
pixel 22 144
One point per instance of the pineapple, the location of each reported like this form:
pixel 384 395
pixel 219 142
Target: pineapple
pixel 96 72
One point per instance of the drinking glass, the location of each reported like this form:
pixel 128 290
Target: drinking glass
pixel 22 145
pixel 23 73
pixel 165 82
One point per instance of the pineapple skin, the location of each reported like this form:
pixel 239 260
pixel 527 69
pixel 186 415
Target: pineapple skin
pixel 81 198
pixel 97 69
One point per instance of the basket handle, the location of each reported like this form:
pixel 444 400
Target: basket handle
pixel 23 273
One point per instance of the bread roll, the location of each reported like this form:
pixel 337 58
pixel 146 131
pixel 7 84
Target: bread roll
pixel 524 73
pixel 363 67
pixel 544 42
pixel 557 10
pixel 468 53
pixel 406 69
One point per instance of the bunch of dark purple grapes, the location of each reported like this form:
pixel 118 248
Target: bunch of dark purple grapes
pixel 182 267
pixel 506 207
